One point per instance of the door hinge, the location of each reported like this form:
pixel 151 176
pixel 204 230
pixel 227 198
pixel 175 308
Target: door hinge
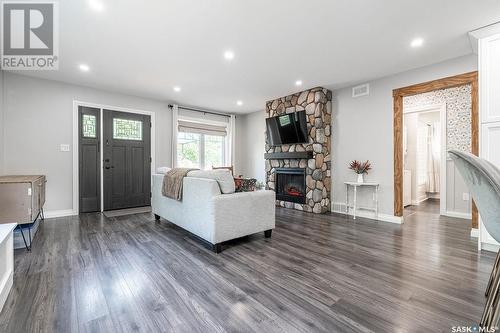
pixel 150 159
pixel 150 124
pixel 150 194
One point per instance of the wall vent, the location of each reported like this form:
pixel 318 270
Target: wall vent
pixel 361 90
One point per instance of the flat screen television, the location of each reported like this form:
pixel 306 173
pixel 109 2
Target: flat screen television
pixel 287 129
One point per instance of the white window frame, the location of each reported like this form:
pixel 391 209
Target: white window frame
pixel 225 150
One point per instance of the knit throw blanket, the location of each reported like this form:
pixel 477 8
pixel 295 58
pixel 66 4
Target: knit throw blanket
pixel 172 183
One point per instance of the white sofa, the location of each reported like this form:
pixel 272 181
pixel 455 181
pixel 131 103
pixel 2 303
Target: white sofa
pixel 213 216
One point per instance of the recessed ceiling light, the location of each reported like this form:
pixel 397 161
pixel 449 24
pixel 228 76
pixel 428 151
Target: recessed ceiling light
pixel 298 82
pixel 96 5
pixel 84 68
pixel 177 88
pixel 229 55
pixel 417 42
pixel 239 103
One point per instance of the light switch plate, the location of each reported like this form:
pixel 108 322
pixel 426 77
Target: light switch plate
pixel 64 147
pixel 465 196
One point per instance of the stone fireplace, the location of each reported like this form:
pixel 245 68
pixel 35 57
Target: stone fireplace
pixel 300 174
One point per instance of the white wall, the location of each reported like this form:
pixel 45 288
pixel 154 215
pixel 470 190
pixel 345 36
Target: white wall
pixel 363 127
pixel 410 121
pixel 250 145
pixel 38 118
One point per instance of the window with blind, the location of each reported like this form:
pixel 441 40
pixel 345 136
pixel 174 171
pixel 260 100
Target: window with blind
pixel 200 145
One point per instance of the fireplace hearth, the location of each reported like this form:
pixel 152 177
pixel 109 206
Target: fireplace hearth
pixel 291 184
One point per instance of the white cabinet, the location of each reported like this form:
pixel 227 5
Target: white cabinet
pixel 6 261
pixel 489 78
pixel 489 108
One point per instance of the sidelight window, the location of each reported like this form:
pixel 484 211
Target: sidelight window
pixel 89 126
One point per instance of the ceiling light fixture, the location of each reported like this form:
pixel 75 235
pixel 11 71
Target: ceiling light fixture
pixel 96 5
pixel 177 88
pixel 239 103
pixel 417 42
pixel 229 55
pixel 298 82
pixel 84 68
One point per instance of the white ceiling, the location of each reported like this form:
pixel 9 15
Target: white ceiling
pixel 145 48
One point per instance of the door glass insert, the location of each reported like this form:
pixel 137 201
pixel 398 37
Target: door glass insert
pixel 89 126
pixel 126 129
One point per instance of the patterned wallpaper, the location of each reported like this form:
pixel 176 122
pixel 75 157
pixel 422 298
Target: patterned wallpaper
pixel 458 113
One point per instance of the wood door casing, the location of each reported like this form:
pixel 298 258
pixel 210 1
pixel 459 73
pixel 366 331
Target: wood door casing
pixel 398 94
pixel 126 163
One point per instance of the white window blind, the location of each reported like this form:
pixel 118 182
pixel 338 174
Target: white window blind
pixel 199 128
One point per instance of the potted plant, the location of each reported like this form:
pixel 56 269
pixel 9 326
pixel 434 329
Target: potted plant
pixel 360 168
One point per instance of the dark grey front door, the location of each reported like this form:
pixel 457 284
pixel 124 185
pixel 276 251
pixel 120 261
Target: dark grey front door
pixel 89 159
pixel 127 160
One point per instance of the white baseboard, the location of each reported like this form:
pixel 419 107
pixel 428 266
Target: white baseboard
pixel 474 233
pixel 489 247
pixel 59 213
pixel 459 215
pixel 340 208
pixel 418 202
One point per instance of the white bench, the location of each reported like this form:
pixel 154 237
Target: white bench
pixel 6 261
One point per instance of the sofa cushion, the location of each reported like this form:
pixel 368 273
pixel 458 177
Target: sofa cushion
pixel 163 170
pixel 223 177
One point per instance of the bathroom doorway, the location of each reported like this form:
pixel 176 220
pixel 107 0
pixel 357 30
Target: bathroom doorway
pixel 424 159
pixel 460 94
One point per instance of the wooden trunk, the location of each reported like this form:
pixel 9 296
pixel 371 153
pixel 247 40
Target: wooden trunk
pixel 21 198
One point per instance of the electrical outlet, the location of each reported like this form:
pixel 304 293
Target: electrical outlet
pixel 64 147
pixel 465 196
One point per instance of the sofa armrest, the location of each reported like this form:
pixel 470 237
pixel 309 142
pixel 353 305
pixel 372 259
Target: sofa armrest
pixel 243 213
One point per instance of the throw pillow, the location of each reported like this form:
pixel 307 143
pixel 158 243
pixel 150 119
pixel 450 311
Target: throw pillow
pixel 245 184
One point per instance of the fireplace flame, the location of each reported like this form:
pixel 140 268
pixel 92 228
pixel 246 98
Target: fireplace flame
pixel 294 191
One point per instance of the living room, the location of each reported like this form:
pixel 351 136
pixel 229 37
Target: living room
pixel 226 166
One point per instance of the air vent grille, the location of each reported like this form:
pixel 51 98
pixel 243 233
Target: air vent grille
pixel 361 90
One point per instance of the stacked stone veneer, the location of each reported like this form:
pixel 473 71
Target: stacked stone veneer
pixel 317 104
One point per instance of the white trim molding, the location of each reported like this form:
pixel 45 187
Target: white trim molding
pixel 101 107
pixel 474 233
pixel 490 247
pixel 58 213
pixel 367 214
pixel 458 215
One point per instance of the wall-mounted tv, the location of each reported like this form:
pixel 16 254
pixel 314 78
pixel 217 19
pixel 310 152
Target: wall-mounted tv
pixel 287 129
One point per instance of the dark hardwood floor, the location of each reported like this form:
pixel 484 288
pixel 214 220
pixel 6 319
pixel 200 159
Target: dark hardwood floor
pixel 318 273
pixel 429 206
